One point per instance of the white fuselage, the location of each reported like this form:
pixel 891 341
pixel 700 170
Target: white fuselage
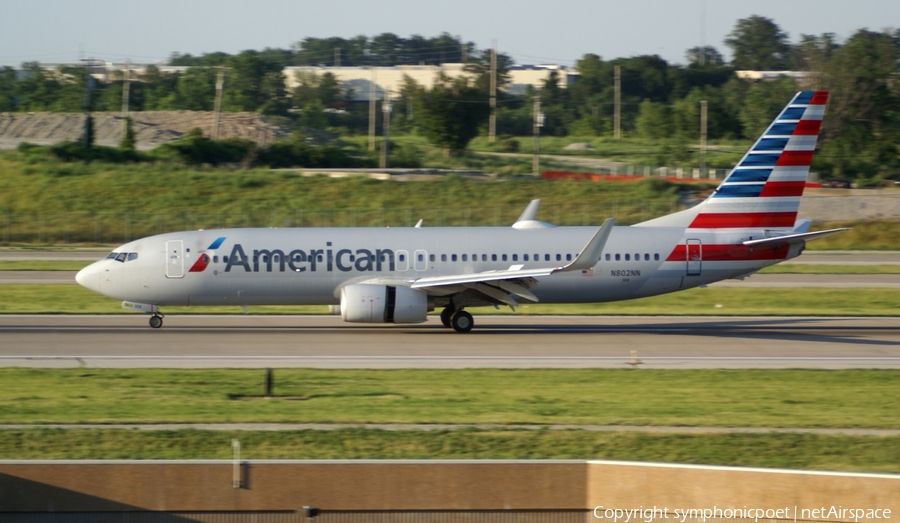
pixel 309 266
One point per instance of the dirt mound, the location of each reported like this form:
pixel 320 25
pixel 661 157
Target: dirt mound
pixel 152 128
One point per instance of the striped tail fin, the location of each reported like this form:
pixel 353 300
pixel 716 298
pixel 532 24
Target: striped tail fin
pixel 763 191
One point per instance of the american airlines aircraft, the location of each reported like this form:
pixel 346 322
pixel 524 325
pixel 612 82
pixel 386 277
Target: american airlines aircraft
pixel 398 275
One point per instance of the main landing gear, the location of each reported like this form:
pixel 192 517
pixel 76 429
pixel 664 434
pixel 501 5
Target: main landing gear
pixel 156 320
pixel 458 320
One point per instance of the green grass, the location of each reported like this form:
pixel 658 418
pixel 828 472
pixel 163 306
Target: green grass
pixel 722 398
pixel 731 301
pixel 44 265
pixel 799 451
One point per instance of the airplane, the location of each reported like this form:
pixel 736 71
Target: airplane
pixel 399 274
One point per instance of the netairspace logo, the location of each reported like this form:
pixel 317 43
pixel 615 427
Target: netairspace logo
pixel 682 515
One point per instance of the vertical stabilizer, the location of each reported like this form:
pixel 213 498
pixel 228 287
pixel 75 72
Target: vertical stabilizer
pixel 763 191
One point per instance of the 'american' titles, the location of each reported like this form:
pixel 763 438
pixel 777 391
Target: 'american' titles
pixel 298 260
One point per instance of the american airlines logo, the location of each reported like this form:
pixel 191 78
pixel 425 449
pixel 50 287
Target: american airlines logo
pixel 299 260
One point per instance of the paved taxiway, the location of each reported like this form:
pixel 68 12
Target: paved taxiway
pixel 497 341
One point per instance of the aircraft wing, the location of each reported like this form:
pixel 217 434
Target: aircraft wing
pixel 792 239
pixel 498 285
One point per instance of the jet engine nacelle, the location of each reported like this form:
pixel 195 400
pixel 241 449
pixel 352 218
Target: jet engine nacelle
pixel 373 303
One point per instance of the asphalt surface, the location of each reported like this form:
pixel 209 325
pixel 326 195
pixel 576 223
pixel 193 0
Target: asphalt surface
pixel 126 341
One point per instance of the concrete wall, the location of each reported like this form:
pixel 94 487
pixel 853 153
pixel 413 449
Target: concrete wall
pixel 184 486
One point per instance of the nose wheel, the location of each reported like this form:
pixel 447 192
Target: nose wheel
pixel 156 321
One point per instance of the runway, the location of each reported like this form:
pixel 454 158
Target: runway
pixel 125 341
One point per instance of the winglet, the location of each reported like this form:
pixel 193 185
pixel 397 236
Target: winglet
pixel 419 223
pixel 590 254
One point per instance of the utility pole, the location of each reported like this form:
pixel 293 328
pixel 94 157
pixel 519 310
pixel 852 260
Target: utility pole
pixel 372 111
pixel 220 86
pixel 386 126
pixel 538 123
pixel 86 137
pixel 702 138
pixel 492 123
pixel 617 114
pixel 337 56
pixel 126 88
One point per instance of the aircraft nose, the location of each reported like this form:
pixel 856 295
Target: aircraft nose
pixel 89 277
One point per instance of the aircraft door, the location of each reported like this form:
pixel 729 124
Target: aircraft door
pixel 694 257
pixel 421 260
pixel 175 259
pixel 402 260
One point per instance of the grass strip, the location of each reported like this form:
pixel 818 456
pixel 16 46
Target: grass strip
pixel 796 451
pixel 732 301
pixel 715 398
pixel 44 265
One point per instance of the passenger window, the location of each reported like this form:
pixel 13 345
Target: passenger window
pixel 546 257
pixel 402 257
pixel 525 257
pixel 568 257
pixel 215 259
pixel 607 256
pixel 484 257
pixel 132 256
pixel 618 257
pixel 420 257
pixel 504 257
pixel 656 256
pixel 465 257
pixel 559 257
pixel 515 257
pixel 443 257
pixel 637 257
pixel 493 257
pixel 646 257
pixel 627 257
pixel 452 257
pixel 431 257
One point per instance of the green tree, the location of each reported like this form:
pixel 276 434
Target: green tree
pixel 758 44
pixel 654 121
pixel 127 142
pixel 451 112
pixel 706 56
pixel 196 89
pixel 763 102
pixel 37 90
pixel 159 89
pixel 7 89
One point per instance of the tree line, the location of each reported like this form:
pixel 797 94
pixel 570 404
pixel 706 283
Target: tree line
pixel 659 101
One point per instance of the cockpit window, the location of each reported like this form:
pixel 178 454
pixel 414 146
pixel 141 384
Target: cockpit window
pixel 112 255
pixel 121 257
pixel 132 256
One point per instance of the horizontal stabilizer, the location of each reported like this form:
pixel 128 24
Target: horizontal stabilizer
pixel 792 239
